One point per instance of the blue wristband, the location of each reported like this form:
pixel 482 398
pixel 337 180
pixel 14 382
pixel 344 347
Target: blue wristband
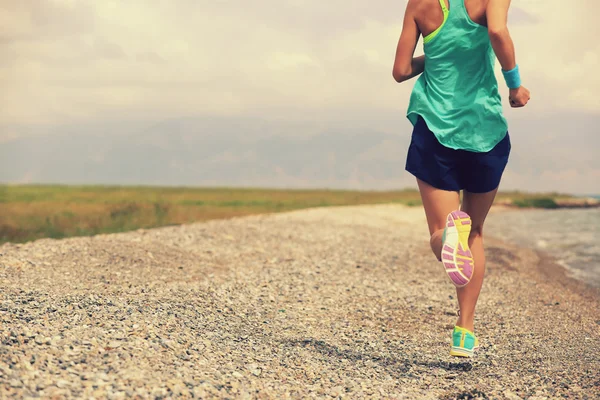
pixel 512 78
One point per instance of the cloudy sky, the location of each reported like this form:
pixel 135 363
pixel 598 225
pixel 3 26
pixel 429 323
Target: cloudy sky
pixel 84 63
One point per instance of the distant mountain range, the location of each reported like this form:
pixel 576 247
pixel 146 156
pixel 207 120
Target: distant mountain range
pixel 556 152
pixel 216 152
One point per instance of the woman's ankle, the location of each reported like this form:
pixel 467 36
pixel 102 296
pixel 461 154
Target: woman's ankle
pixel 466 323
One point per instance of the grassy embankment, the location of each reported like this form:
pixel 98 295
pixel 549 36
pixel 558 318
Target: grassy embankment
pixel 29 212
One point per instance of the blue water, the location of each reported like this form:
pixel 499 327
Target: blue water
pixel 570 235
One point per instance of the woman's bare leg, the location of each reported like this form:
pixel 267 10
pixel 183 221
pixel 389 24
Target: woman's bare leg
pixel 477 205
pixel 438 204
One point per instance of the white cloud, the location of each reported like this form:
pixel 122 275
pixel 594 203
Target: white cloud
pixel 65 61
pixel 559 55
pixel 289 61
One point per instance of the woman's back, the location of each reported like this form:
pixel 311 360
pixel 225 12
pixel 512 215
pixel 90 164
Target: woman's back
pixel 429 15
pixel 457 95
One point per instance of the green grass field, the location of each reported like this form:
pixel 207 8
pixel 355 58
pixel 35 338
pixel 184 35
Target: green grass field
pixel 29 212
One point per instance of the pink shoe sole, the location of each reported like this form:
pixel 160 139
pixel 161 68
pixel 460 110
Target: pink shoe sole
pixel 456 255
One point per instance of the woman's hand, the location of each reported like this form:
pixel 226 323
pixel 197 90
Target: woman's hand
pixel 519 97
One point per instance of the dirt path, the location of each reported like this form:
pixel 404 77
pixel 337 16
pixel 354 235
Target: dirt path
pixel 324 303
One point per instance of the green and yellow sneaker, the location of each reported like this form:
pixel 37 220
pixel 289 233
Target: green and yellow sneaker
pixel 464 342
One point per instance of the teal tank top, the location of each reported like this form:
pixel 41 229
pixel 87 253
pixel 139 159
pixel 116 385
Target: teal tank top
pixel 457 94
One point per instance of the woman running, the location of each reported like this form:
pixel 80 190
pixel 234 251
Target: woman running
pixel 460 139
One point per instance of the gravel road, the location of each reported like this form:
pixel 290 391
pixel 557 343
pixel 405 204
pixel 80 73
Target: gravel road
pixel 343 303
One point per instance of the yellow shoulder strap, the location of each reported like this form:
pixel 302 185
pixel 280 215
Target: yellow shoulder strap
pixel 433 34
pixel 444 8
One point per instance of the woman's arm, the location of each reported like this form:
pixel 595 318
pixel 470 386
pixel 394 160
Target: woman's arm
pixel 405 66
pixel 497 16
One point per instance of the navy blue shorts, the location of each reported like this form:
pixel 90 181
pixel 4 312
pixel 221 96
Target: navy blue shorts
pixel 454 170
